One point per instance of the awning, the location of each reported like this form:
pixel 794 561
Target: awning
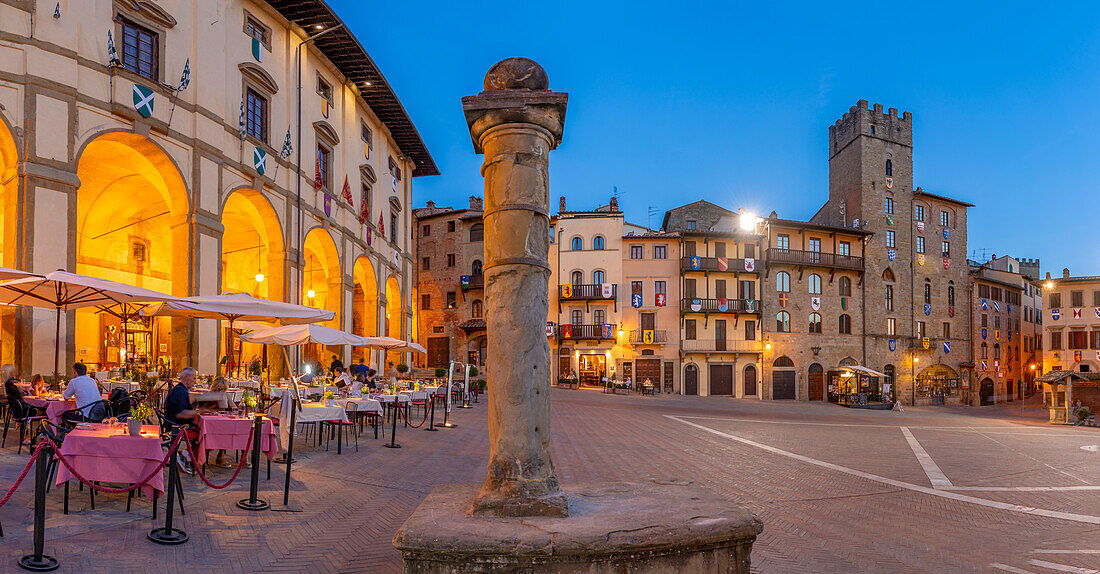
pixel 864 370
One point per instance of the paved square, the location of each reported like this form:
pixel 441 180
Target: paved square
pixel 839 490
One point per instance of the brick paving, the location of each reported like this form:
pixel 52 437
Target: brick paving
pixel 817 518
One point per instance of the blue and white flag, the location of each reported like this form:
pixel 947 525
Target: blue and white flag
pixel 893 345
pixel 185 79
pixel 636 300
pixel 1055 314
pixel 112 54
pixel 288 148
pixel 996 305
pixel 259 158
pixel 985 305
pixel 240 121
pixel 947 347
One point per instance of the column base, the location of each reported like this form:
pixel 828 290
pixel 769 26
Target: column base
pixel 643 528
pixel 553 504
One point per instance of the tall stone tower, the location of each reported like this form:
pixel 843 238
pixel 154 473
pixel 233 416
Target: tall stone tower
pixel 919 238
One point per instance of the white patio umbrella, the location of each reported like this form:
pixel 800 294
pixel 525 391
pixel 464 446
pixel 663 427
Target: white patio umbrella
pixel 64 291
pixel 301 334
pixel 234 307
pixel 7 274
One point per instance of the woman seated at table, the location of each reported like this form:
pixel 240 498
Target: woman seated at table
pixel 38 385
pixel 225 401
pixel 342 381
pixel 372 379
pixel 11 390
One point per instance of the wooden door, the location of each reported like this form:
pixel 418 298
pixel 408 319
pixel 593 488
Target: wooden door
pixel 783 384
pixel 691 380
pixel 649 321
pixel 720 335
pixel 721 379
pixel 648 369
pixel 750 381
pixel 816 391
pixel 439 352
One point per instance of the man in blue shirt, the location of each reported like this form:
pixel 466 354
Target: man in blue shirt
pixel 178 410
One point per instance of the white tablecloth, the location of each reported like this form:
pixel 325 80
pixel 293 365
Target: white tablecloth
pixel 130 386
pixel 415 395
pixel 219 397
pixel 391 398
pixel 311 412
pixel 361 405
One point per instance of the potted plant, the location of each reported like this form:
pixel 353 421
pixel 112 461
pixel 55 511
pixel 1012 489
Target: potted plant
pixel 1083 415
pixel 328 396
pixel 402 368
pixel 255 367
pixel 440 373
pixel 138 415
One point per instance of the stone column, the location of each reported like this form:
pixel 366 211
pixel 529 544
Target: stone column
pixel 515 122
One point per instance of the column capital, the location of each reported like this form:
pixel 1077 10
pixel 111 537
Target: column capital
pixel 516 92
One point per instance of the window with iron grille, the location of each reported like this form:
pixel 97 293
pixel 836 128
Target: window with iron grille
pixel 255 123
pixel 140 50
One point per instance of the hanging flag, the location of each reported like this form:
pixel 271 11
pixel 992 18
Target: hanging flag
pixel 566 331
pixel 549 328
pixel 985 365
pixel 1076 313
pixel 1077 356
pixel 891 254
pixel 647 337
pixel 997 305
pixel 636 300
pixel 661 299
pixel 951 311
pixel 1055 314
pixel 257 50
pixel 608 330
pixel 843 303
pixel 695 263
pixel 696 305
pixel 464 282
pixel 566 291
pixel 364 209
pixel 288 147
pixel 946 347
pixel 783 299
pixel 750 264
pixel 607 290
pixel 112 54
pixel 328 205
pixel 815 302
pixel 946 233
pixel 996 334
pixel 723 264
pixel 889 219
pixel 1098 312
pixel 926 342
pixel 920 227
pixel 946 263
pixel 750 305
pixel 723 305
pixel 920 259
pixel 143 100
pixel 985 333
pixel 381 226
pixel 985 305
pixel 259 158
pixel 185 78
pixel 927 309
pixel 240 121
pixel 318 183
pixel 347 193
pixel 893 344
pixel 889 182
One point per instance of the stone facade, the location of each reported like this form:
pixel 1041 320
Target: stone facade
pixel 450 255
pixel 172 197
pixel 919 239
pixel 999 314
pixel 651 268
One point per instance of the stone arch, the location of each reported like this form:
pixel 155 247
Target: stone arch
pixel 364 307
pixel 321 274
pixel 9 214
pixel 394 316
pixel 132 226
pixel 783 362
pixel 252 244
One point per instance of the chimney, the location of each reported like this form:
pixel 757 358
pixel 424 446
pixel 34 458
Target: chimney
pixel 1065 273
pixel 561 204
pixel 430 204
pixel 476 203
pixel 1048 275
pixel 614 205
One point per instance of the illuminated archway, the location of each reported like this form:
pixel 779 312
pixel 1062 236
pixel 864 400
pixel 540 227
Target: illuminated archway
pixel 132 227
pixel 9 195
pixel 252 259
pixel 321 279
pixel 394 315
pixel 364 307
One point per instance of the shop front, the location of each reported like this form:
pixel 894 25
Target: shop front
pixel 860 387
pixel 937 384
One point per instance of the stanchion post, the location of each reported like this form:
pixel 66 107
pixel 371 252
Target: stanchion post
pixel 170 536
pixel 393 430
pixel 290 447
pixel 253 503
pixel 431 409
pixel 39 562
pixel 466 390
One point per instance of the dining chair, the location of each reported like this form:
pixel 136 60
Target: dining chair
pixel 342 426
pixel 23 415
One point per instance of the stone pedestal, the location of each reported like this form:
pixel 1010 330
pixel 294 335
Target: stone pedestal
pixel 670 527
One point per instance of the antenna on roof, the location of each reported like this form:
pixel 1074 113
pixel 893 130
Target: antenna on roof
pixel 615 191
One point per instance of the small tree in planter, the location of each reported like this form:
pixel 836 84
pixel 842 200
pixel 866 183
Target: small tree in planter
pixel 402 368
pixel 440 373
pixel 1083 415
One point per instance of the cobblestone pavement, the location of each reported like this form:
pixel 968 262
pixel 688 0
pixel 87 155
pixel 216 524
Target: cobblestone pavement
pixel 993 489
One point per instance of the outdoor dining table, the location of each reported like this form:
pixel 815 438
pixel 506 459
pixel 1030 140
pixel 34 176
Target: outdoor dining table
pixel 231 432
pixel 311 412
pixel 130 386
pixel 107 453
pixel 220 397
pixel 54 405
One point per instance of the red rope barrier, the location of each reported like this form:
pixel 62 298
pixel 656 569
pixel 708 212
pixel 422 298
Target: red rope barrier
pixel 240 465
pixel 405 416
pixel 23 475
pixel 135 486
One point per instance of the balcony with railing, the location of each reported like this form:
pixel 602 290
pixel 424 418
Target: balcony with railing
pixel 473 282
pixel 717 264
pixel 597 332
pixel 697 305
pixel 814 259
pixel 720 346
pixel 586 292
pixel 637 336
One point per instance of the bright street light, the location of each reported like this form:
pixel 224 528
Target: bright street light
pixel 748 221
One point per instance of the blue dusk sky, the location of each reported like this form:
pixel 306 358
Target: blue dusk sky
pixel 731 102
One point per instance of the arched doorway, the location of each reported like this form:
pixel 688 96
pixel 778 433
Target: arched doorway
pixel 889 385
pixel 9 188
pixel 783 378
pixel 691 380
pixel 985 391
pixel 394 316
pixel 322 285
pixel 364 307
pixel 131 227
pixel 936 382
pixel 252 262
pixel 815 382
pixel 750 381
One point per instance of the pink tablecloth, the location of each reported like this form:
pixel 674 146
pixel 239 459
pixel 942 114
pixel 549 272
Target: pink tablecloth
pixel 110 454
pixel 217 432
pixel 53 408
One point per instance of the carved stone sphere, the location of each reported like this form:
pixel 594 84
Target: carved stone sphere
pixel 516 74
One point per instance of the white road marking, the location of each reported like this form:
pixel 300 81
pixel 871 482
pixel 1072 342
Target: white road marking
pixel 1091 447
pixel 1066 551
pixel 1012 569
pixel 1064 568
pixel 1037 461
pixel 1009 428
pixel 1085 518
pixel 931 469
pixel 1023 488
